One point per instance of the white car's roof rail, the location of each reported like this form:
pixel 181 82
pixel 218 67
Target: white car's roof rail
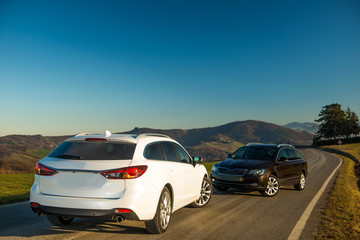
pixel 81 134
pixel 152 135
pixel 106 134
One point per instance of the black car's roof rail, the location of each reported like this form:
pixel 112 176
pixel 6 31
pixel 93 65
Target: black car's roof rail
pixel 285 145
pixel 254 143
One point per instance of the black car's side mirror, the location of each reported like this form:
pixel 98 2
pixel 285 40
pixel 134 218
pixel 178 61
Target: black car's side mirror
pixel 197 160
pixel 283 159
pixel 228 155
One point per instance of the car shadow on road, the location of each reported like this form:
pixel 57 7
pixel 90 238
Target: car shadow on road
pixel 81 226
pixel 234 191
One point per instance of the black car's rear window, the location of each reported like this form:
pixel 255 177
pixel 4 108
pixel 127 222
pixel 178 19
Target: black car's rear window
pixel 94 151
pixel 255 153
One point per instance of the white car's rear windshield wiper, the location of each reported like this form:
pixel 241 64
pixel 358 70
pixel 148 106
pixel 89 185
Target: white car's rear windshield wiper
pixel 69 156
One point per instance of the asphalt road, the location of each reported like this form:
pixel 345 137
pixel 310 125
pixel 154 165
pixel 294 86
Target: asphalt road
pixel 229 215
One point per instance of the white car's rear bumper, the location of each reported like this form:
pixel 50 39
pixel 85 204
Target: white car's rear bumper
pixel 140 196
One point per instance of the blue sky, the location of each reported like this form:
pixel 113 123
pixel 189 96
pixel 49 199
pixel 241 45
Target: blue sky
pixel 73 66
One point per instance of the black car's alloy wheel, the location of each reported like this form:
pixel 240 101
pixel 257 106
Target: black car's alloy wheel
pixel 272 187
pixel 301 184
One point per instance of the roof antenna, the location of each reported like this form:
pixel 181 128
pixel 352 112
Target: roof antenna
pixel 107 133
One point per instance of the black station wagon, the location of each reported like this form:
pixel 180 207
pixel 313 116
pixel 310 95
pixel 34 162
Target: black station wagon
pixel 261 167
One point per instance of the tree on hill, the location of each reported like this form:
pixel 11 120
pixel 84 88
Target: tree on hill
pixel 335 122
pixel 351 123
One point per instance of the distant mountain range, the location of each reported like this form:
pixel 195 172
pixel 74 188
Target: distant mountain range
pixel 19 153
pixel 311 127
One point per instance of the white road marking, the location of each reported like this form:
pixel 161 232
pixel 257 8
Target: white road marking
pixel 299 227
pixel 15 204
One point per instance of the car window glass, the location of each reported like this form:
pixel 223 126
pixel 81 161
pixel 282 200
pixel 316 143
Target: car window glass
pixel 259 153
pixel 298 155
pixel 81 150
pixel 282 153
pixel 291 154
pixel 154 152
pixel 182 154
pixel 169 151
pixel 239 153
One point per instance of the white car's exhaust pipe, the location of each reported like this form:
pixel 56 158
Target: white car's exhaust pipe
pixel 119 219
pixel 39 213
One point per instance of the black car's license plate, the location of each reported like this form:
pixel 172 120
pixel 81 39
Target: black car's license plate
pixel 232 178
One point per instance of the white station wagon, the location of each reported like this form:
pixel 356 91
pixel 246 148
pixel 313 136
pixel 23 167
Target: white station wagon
pixel 142 177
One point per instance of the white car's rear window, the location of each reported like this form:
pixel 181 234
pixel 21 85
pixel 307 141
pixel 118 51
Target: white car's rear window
pixel 82 150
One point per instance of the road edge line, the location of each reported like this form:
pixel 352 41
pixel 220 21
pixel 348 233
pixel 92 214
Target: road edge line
pixel 14 204
pixel 300 225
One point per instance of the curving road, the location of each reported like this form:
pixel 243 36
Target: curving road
pixel 229 215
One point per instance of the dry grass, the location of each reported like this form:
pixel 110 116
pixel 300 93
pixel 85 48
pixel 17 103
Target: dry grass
pixel 341 219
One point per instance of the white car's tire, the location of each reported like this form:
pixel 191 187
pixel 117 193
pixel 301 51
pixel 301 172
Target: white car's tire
pixel 161 220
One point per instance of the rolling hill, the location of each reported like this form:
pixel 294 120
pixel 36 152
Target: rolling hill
pixel 311 127
pixel 19 153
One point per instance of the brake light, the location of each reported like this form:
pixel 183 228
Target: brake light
pixel 122 210
pixel 96 139
pixel 41 170
pixel 125 173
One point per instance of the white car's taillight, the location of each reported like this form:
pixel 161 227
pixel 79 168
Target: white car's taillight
pixel 125 173
pixel 40 169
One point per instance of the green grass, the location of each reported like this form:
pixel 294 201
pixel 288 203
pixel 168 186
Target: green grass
pixel 38 153
pixel 22 157
pixel 15 187
pixel 208 165
pixel 341 218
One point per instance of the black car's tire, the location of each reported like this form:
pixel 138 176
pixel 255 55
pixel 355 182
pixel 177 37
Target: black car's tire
pixel 221 188
pixel 301 184
pixel 161 220
pixel 272 187
pixel 59 220
pixel 205 194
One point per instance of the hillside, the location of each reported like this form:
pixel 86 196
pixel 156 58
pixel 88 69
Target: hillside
pixel 19 153
pixel 214 143
pixel 240 131
pixel 311 127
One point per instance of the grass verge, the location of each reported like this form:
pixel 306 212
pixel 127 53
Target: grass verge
pixel 208 166
pixel 341 218
pixel 15 187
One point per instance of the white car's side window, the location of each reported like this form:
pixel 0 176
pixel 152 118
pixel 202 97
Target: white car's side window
pixel 182 154
pixel 169 151
pixel 154 152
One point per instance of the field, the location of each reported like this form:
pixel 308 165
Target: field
pixel 209 165
pixel 15 187
pixel 341 218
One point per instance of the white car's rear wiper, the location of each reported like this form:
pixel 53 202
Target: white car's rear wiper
pixel 69 156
